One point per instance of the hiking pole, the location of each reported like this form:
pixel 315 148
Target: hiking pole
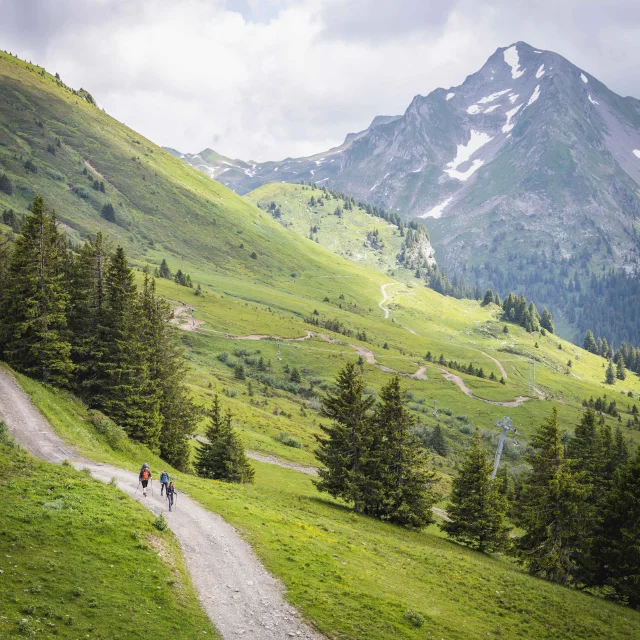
pixel 137 487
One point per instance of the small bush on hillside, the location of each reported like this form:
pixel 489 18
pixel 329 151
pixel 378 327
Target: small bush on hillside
pixel 115 435
pixel 82 192
pixel 414 618
pixel 288 440
pixel 55 175
pixel 160 523
pixel 30 166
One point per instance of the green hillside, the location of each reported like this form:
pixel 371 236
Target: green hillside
pixel 359 578
pixel 350 233
pixel 274 302
pixel 79 559
pixel 166 209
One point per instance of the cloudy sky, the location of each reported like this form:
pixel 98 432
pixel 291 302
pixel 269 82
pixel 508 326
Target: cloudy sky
pixel 265 79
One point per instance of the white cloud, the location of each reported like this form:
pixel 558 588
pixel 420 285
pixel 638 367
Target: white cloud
pixel 265 80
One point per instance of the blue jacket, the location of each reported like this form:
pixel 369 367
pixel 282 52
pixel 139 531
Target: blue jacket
pixel 164 477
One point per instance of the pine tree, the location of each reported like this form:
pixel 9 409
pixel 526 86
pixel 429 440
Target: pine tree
pixel 546 321
pixel 621 372
pixel 589 342
pixel 165 272
pixel 610 376
pixel 552 503
pixel 222 457
pixel 488 297
pixel 347 438
pixel 166 371
pixel 35 300
pixel 617 541
pixel 5 184
pixel 437 441
pixel 123 388
pixel 396 483
pixel 86 311
pixel 477 506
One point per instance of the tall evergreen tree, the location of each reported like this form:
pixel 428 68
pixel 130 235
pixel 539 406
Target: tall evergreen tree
pixel 477 507
pixel 165 272
pixel 621 372
pixel 86 313
pixel 552 501
pixel 396 485
pixel 437 441
pixel 546 321
pixel 166 372
pixel 347 438
pixel 124 390
pixel 617 542
pixel 222 457
pixel 589 342
pixel 35 300
pixel 610 375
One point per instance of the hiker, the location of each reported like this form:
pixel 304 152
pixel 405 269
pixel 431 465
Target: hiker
pixel 171 493
pixel 164 481
pixel 145 476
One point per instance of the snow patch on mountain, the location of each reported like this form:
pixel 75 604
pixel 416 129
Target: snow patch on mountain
pixel 513 97
pixel 540 71
pixel 513 60
pixel 436 212
pixel 534 96
pixel 591 100
pixel 477 139
pixel 450 95
pixel 493 96
pixel 584 78
pixel 493 108
pixel 508 126
pixel 474 108
pixel 636 153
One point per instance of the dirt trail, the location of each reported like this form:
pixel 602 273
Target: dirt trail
pixel 238 594
pixel 498 364
pixel 183 317
pixel 90 166
pixel 452 377
pixel 385 297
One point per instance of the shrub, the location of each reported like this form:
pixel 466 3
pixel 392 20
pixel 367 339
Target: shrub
pixel 30 166
pixel 288 440
pixel 160 523
pixel 115 435
pixel 414 618
pixel 82 192
pixel 55 175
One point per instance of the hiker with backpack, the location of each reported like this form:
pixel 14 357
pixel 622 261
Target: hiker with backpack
pixel 171 494
pixel 164 481
pixel 145 476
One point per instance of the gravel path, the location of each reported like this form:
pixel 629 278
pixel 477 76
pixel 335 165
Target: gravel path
pixel 452 377
pixel 242 599
pixel 385 297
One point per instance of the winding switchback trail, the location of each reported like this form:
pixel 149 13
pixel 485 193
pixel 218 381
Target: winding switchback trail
pixel 240 597
pixel 385 297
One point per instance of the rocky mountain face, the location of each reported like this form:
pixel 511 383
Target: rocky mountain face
pixel 528 175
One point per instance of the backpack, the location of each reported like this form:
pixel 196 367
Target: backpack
pixel 145 474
